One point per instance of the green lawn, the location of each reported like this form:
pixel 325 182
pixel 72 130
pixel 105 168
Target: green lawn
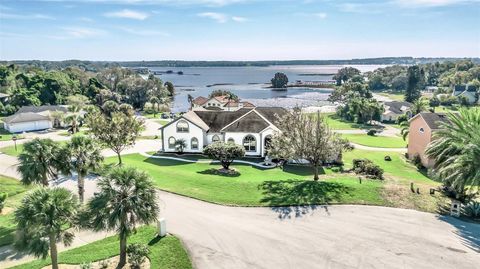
pixel 163 122
pixel 395 96
pixel 15 191
pixel 10 150
pixel 397 167
pixel 165 253
pixel 336 123
pixel 376 141
pixel 7 136
pixel 253 186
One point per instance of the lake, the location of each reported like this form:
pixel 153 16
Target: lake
pixel 249 83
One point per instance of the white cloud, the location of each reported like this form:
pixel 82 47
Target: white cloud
pixel 209 3
pixel 86 19
pixel 431 3
pixel 127 14
pixel 321 15
pixel 144 32
pixel 25 16
pixel 221 17
pixel 79 32
pixel 239 19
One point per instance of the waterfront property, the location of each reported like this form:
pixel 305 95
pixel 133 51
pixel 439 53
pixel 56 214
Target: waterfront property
pixel 251 128
pixel 219 103
pixel 422 128
pixel 34 118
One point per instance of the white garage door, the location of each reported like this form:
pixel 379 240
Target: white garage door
pixel 29 126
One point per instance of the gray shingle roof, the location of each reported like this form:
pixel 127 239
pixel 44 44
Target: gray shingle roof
pixel 396 106
pixel 24 117
pixel 216 120
pixel 38 109
pixel 434 120
pixel 270 113
pixel 250 123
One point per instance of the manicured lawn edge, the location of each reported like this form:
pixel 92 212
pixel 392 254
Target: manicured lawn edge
pixel 167 252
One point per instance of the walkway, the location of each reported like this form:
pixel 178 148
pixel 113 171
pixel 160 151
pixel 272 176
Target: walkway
pixel 358 146
pixel 203 161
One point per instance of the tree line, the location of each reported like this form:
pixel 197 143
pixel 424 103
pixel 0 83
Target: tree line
pixel 33 86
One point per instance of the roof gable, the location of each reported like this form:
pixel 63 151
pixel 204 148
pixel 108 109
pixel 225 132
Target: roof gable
pixel 433 120
pixel 25 117
pixel 250 123
pixel 216 120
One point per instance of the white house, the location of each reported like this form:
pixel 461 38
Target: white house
pixel 251 128
pixel 218 103
pixel 34 118
pixel 469 92
pixel 395 109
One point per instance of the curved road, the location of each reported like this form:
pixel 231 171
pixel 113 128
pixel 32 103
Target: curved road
pixel 307 237
pixel 332 237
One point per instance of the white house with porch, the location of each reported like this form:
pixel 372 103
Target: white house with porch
pixel 252 128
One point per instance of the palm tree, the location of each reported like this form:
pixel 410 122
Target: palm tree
pixel 180 144
pixel 41 219
pixel 155 105
pixel 419 106
pixel 74 120
pixel 40 161
pixel 86 157
pixel 405 129
pixel 456 151
pixel 127 198
pixel 190 100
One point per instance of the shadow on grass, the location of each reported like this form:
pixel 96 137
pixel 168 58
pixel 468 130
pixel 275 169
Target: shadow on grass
pixel 357 125
pixel 217 172
pixel 302 170
pixel 298 197
pixel 469 232
pixel 165 162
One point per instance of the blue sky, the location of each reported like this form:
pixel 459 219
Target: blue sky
pixel 237 29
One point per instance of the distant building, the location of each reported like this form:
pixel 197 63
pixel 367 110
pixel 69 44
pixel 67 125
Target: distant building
pixel 218 103
pixel 395 109
pixel 422 128
pixel 430 89
pixel 469 92
pixel 252 128
pixel 34 118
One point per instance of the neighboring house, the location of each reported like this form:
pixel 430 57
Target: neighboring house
pixel 4 97
pixel 251 128
pixel 395 109
pixel 469 92
pixel 34 118
pixel 218 103
pixel 422 128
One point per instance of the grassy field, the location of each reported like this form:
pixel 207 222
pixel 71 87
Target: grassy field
pixel 395 96
pixel 15 191
pixel 336 123
pixel 7 136
pixel 294 185
pixel 165 253
pixel 253 186
pixel 376 141
pixel 10 150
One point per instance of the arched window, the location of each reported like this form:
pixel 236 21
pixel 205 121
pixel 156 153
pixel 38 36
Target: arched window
pixel 215 138
pixel 250 143
pixel 182 126
pixel 171 142
pixel 194 143
pixel 230 140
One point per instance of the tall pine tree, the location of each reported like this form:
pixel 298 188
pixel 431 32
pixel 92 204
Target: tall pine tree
pixel 415 83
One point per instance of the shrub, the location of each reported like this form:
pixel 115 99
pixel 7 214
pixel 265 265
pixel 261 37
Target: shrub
pixel 472 209
pixel 103 264
pixel 387 158
pixel 86 265
pixel 137 253
pixel 417 161
pixel 368 168
pixel 3 198
pixel 337 169
pixel 226 153
pixel 371 132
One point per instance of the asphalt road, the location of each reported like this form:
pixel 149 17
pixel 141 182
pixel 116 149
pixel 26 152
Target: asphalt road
pixel 332 237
